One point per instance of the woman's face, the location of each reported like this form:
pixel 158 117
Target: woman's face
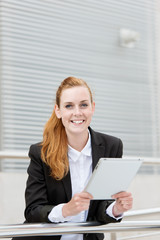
pixel 76 109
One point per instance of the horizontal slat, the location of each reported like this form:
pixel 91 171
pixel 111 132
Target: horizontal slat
pixel 42 42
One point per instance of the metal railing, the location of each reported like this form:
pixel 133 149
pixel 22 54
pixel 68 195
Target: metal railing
pixel 142 212
pixel 24 155
pixel 132 214
pixel 17 230
pixel 8 231
pixel 14 154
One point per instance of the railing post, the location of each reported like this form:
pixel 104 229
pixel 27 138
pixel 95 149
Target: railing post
pixel 113 236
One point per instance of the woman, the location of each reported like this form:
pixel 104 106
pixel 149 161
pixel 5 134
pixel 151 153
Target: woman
pixel 62 164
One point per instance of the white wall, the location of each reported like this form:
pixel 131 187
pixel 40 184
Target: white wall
pixel 12 188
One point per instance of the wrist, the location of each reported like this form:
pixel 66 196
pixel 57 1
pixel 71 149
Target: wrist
pixel 56 215
pixel 116 212
pixel 65 212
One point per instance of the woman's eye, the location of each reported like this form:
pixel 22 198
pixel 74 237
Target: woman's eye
pixel 84 105
pixel 68 106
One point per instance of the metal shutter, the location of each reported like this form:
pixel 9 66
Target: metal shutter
pixel 43 42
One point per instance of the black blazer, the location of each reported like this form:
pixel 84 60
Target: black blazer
pixel 43 192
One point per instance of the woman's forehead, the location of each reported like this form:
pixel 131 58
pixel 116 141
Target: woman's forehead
pixel 79 93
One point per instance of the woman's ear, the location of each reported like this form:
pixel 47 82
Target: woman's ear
pixel 57 111
pixel 93 107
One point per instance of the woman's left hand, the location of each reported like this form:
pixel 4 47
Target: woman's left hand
pixel 124 202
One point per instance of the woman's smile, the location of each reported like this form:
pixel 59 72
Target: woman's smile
pixel 77 122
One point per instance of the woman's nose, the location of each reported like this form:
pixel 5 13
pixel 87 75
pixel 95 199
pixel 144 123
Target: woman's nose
pixel 77 111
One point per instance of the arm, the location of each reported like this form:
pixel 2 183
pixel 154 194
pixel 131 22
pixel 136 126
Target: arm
pixel 37 205
pixel 64 212
pixel 113 149
pixel 46 199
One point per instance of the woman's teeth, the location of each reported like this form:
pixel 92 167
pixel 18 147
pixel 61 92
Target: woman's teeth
pixel 77 122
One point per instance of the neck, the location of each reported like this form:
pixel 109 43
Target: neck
pixel 78 142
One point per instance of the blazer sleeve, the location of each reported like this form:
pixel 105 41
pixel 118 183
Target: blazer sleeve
pixel 119 152
pixel 37 206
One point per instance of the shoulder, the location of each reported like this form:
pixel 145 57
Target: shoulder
pixel 104 138
pixel 112 146
pixel 35 154
pixel 36 165
pixel 35 149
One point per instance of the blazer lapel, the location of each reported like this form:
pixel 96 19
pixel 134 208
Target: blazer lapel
pixel 98 149
pixel 97 153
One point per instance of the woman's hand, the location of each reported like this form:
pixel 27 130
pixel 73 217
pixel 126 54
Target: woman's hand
pixel 79 202
pixel 124 202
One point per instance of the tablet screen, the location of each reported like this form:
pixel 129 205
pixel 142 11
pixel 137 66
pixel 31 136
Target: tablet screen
pixel 112 175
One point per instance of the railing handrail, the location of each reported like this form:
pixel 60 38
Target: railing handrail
pixel 146 160
pixel 14 154
pixel 24 155
pixel 141 212
pixel 18 230
pixel 8 231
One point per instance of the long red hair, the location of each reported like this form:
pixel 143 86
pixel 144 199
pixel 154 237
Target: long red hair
pixel 55 145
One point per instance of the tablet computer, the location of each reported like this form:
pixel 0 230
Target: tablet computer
pixel 112 175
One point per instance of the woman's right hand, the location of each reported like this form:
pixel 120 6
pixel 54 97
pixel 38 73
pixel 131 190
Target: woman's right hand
pixel 79 202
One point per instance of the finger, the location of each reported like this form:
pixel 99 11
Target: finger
pixel 124 204
pixel 82 201
pixel 128 199
pixel 127 206
pixel 121 195
pixel 86 195
pixel 81 206
pixel 81 198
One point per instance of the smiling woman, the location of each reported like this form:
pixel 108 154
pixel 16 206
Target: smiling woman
pixel 75 111
pixel 74 102
pixel 62 164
